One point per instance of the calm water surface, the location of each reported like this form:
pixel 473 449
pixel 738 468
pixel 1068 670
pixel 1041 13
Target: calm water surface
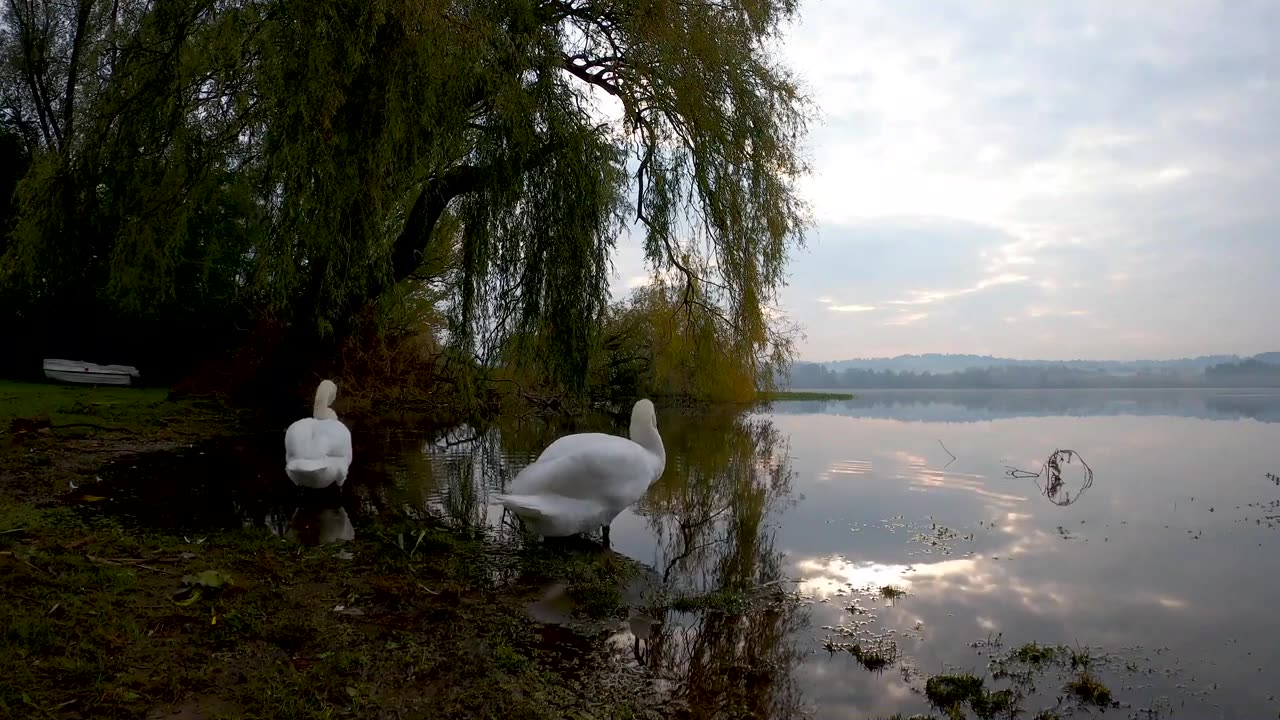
pixel 1166 567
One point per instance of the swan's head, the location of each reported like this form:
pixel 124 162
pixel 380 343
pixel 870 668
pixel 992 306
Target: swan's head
pixel 325 395
pixel 644 429
pixel 643 416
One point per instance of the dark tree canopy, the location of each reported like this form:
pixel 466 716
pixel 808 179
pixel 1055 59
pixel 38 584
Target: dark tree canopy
pixel 208 162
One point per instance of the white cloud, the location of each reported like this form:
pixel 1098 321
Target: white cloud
pixel 906 319
pixel 833 306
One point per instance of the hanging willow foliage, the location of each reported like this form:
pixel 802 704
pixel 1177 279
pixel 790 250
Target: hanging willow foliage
pixel 305 157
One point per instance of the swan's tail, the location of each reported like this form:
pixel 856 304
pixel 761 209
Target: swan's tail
pixel 306 465
pixel 532 506
pixel 552 516
pixel 312 472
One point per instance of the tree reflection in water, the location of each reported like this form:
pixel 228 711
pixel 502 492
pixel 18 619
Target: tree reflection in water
pixel 711 514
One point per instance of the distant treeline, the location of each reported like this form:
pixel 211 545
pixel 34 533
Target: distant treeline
pixel 1246 373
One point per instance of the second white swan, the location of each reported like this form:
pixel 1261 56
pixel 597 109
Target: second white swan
pixel 583 481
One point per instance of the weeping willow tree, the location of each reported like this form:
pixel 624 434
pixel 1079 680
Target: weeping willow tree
pixel 307 159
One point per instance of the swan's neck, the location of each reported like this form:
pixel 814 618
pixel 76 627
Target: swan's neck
pixel 647 437
pixel 321 410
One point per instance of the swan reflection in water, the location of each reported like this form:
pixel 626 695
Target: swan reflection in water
pixel 311 524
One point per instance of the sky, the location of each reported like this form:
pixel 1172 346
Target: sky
pixel 1053 179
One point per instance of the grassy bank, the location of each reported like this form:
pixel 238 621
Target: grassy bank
pixel 104 622
pixel 110 409
pixel 54 434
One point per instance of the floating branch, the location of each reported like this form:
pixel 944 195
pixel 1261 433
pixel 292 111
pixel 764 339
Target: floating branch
pixel 944 449
pixel 1051 473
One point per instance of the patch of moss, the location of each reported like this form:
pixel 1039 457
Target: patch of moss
pixel 890 592
pixel 875 657
pixel 1035 654
pixel 951 693
pixel 1089 690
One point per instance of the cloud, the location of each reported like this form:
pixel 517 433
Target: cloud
pixel 906 319
pixel 1108 164
pixel 926 297
pixel 833 306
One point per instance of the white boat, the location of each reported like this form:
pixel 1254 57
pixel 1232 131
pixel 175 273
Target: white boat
pixel 87 373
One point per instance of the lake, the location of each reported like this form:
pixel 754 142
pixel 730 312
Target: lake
pixel 923 532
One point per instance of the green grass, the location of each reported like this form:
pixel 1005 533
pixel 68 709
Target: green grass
pixel 51 433
pixel 72 402
pixel 123 409
pixel 784 395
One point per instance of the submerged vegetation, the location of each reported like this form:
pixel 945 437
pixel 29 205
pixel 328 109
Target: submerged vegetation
pixel 952 693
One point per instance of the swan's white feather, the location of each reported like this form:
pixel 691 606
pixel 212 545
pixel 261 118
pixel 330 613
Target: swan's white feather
pixel 572 443
pixel 593 466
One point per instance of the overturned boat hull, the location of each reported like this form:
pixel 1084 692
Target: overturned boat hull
pixel 86 373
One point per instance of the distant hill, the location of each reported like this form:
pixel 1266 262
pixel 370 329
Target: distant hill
pixel 985 371
pixel 939 363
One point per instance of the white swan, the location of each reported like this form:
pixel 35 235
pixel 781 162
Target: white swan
pixel 583 481
pixel 317 450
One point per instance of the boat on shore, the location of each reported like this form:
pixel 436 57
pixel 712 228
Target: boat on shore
pixel 87 373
